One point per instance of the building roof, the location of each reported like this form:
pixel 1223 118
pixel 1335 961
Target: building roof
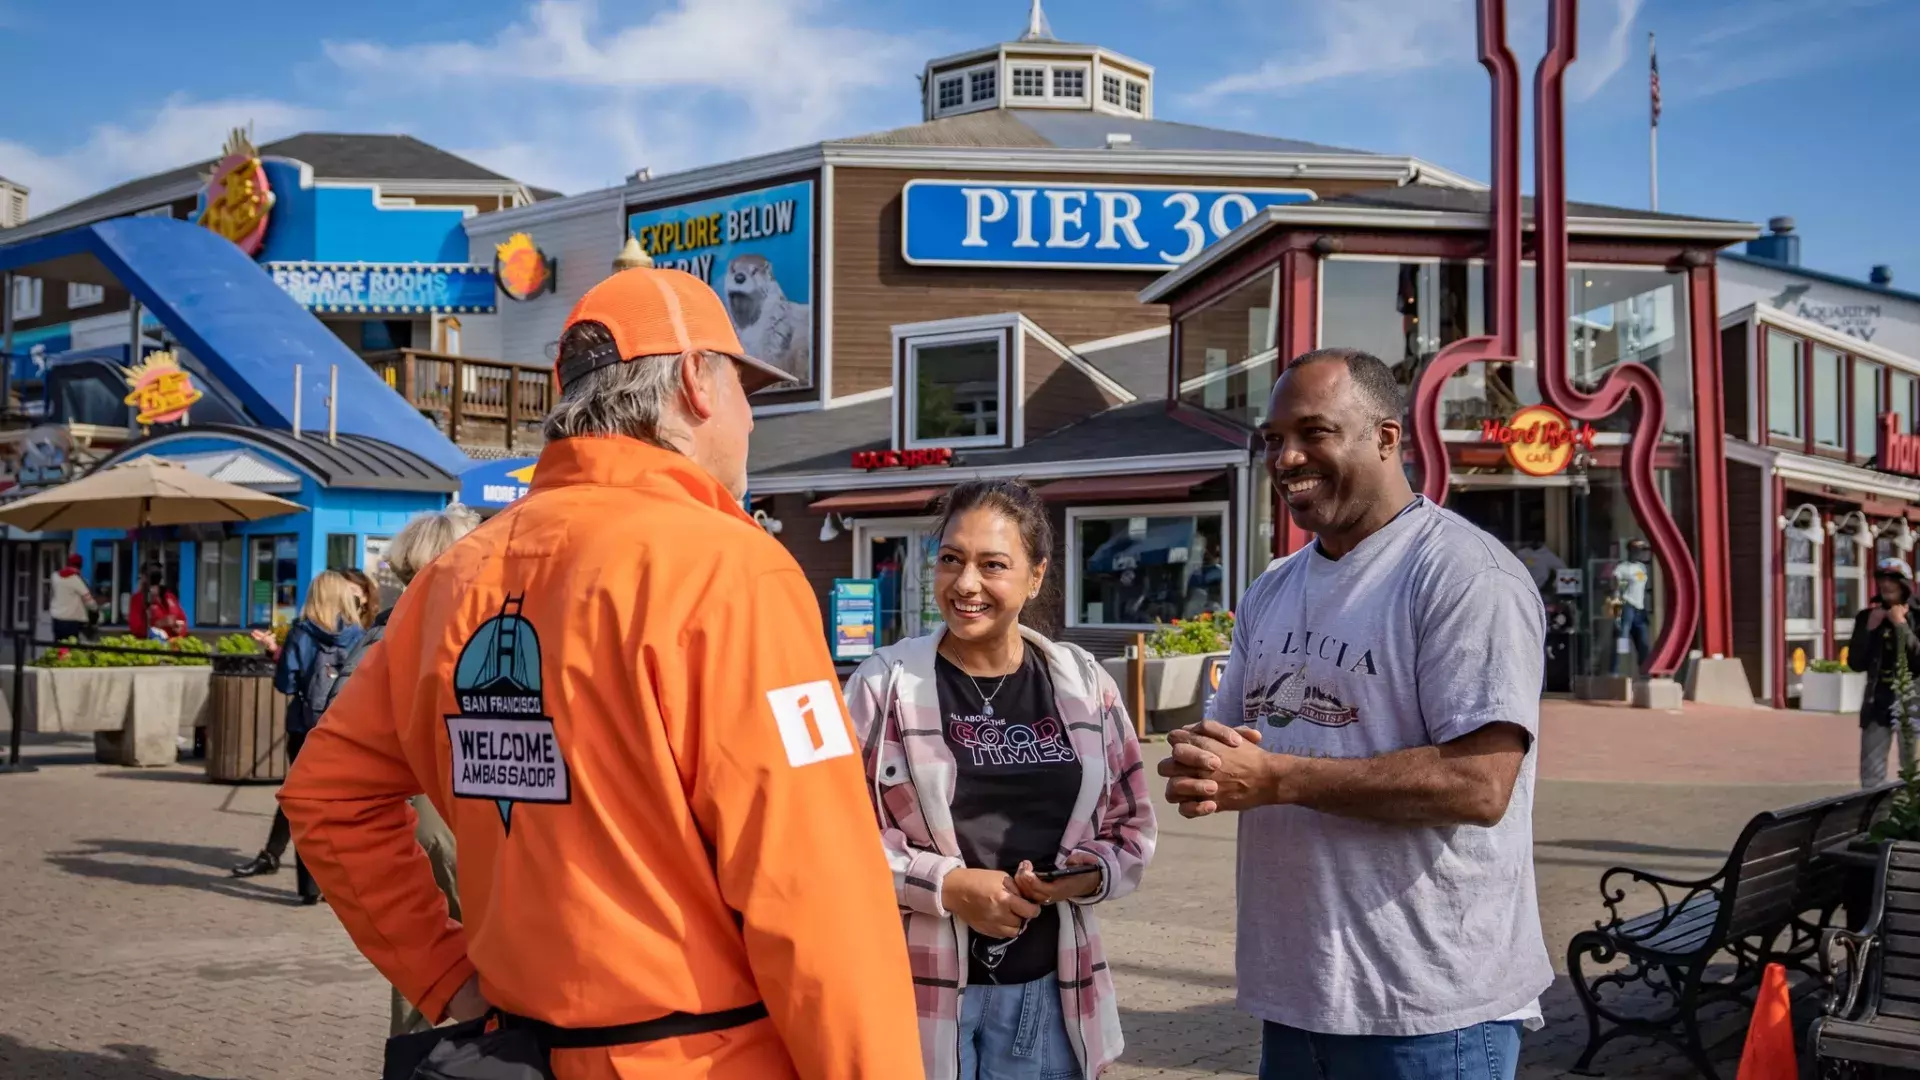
pixel 1821 275
pixel 333 156
pixel 823 440
pixel 1074 130
pixel 1452 201
pixel 1140 366
pixel 353 461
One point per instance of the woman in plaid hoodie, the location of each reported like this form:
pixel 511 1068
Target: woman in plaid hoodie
pixel 997 757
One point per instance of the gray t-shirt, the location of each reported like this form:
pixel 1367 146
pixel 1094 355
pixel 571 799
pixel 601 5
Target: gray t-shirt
pixel 1425 632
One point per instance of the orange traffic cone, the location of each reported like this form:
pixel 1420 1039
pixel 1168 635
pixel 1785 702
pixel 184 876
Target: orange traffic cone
pixel 1769 1051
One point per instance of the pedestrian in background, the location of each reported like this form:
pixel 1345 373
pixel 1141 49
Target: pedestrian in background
pixel 998 759
pixel 1375 729
pixel 419 543
pixel 370 605
pixel 1882 632
pixel 618 695
pixel 72 606
pixel 155 612
pixel 309 664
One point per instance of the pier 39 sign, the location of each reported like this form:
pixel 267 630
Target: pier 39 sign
pixel 1067 226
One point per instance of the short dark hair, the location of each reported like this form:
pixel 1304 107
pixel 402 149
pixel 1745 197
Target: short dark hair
pixel 1024 507
pixel 1370 375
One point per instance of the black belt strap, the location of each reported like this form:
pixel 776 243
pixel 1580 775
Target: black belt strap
pixel 663 1027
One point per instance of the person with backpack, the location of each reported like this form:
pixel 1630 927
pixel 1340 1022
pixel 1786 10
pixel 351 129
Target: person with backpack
pixel 420 542
pixel 310 665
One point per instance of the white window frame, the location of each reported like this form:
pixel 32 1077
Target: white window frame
pixel 82 295
pixel 1119 89
pixel 909 358
pixel 1859 534
pixel 1075 514
pixel 860 533
pixel 1015 68
pixel 973 75
pixel 29 294
pixel 1807 521
pixel 957 80
pixel 1128 83
pixel 966 77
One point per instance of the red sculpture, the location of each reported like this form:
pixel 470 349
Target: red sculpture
pixel 1628 380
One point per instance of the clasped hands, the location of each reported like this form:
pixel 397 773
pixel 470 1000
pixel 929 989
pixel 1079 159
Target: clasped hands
pixel 997 904
pixel 1214 767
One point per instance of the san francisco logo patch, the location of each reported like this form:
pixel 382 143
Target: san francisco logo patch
pixel 504 748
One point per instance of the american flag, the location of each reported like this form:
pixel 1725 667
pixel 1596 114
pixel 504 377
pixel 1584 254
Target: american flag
pixel 1653 79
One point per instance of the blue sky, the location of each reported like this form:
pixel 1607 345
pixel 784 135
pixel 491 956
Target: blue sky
pixel 1800 107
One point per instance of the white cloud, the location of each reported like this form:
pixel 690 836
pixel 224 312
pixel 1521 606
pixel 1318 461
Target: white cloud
pixel 700 81
pixel 1359 37
pixel 1589 74
pixel 180 131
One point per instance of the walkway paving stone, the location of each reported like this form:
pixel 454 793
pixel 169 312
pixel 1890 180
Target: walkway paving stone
pixel 129 953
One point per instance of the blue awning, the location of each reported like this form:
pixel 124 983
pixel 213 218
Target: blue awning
pixel 246 331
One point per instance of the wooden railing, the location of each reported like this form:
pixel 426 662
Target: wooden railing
pixel 476 402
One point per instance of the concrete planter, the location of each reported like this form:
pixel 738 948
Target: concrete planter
pixel 1833 691
pixel 1174 693
pixel 135 714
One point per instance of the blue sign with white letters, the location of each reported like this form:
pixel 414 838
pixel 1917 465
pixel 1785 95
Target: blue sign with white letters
pixel 377 288
pixel 1068 226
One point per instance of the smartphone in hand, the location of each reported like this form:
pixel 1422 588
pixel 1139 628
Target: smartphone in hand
pixel 1066 872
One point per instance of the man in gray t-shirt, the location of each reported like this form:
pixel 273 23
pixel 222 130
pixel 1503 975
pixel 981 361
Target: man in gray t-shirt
pixel 1375 727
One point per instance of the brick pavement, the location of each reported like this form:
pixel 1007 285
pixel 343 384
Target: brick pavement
pixel 131 954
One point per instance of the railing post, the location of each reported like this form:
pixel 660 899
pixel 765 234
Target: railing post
pixel 1137 682
pixel 455 399
pixel 17 704
pixel 513 403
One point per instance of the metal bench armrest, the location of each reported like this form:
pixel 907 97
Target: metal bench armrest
pixel 1611 897
pixel 1855 951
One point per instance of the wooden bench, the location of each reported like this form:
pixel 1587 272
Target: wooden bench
pixel 1770 902
pixel 1873 1016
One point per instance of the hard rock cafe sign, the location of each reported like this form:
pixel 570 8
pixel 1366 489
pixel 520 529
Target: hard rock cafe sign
pixel 238 199
pixel 1540 440
pixel 1630 385
pixel 161 390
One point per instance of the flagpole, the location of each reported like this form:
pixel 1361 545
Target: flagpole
pixel 1653 130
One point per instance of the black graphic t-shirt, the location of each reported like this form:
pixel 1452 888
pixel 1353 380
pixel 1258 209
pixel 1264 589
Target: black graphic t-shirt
pixel 1017 781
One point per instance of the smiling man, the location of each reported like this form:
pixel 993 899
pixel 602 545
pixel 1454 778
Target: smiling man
pixel 1375 728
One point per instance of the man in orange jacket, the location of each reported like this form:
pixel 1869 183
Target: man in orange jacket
pixel 618 694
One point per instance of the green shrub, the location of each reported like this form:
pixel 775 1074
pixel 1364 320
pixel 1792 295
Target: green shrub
pixel 1208 632
pixel 1827 667
pixel 237 645
pixel 180 652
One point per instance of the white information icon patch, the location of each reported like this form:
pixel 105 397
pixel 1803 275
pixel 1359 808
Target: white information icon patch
pixel 811 725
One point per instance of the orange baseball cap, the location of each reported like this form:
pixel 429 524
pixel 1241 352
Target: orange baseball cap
pixel 654 312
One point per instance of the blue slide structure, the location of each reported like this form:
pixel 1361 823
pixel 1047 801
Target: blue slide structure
pixel 247 334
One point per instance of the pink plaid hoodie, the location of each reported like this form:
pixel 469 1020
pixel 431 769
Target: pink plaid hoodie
pixel 896 710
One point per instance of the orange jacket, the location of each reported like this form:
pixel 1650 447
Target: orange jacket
pixel 618 694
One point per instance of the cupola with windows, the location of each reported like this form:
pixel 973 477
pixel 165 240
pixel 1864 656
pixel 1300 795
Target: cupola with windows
pixel 1038 72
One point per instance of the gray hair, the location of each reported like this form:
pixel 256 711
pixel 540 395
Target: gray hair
pixel 425 538
pixel 630 398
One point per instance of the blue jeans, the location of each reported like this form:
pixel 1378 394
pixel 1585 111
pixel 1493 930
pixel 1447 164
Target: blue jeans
pixel 1488 1051
pixel 1015 1033
pixel 1631 625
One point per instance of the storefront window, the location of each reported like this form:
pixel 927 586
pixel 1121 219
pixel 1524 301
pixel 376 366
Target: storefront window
pixel 1866 408
pixel 341 549
pixel 1137 566
pixel 1227 355
pixel 1783 386
pixel 220 582
pixel 1849 580
pixel 273 581
pixel 1901 404
pixel 956 391
pixel 1829 405
pixel 1406 312
pixel 1803 574
pixel 113 580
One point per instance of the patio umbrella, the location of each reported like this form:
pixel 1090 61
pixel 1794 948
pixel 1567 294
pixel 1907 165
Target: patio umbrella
pixel 139 493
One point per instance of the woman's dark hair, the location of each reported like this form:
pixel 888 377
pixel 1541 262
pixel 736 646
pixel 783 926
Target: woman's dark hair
pixel 1021 505
pixel 156 578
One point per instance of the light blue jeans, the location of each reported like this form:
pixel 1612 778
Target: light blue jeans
pixel 1015 1033
pixel 1488 1051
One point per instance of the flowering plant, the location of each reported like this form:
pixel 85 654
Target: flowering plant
pixel 1903 813
pixel 1207 632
